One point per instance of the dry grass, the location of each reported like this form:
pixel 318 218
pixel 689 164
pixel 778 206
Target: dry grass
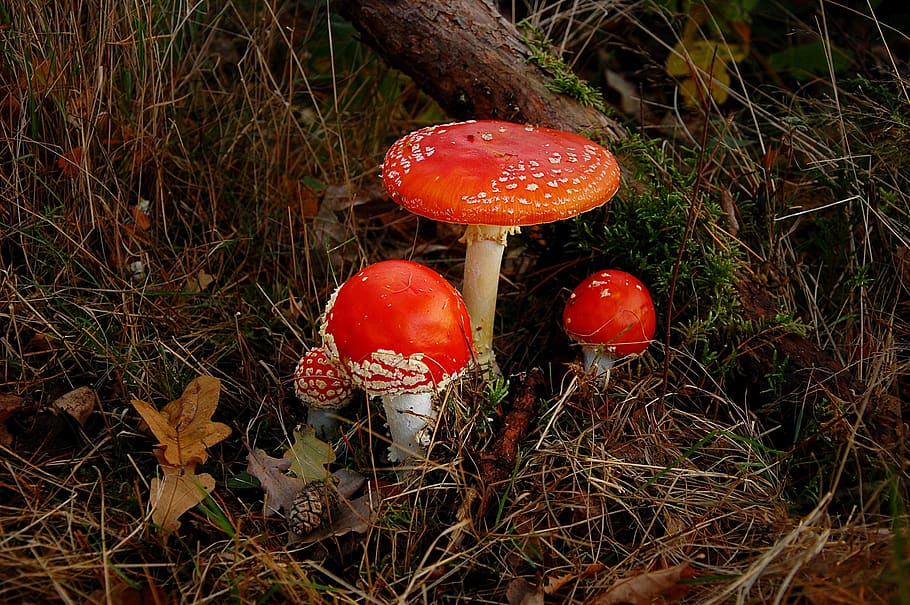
pixel 176 199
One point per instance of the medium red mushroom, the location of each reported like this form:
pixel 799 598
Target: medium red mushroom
pixel 611 314
pixel 324 386
pixel 403 333
pixel 495 177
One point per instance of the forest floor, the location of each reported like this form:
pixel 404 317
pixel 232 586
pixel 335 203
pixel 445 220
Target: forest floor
pixel 184 186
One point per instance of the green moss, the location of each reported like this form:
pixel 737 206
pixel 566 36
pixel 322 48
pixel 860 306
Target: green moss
pixel 565 81
pixel 657 231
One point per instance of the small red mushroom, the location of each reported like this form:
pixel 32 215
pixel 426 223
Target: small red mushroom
pixel 495 177
pixel 324 386
pixel 611 314
pixel 403 333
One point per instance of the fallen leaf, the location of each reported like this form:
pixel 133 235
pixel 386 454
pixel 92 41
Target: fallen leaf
pixel 184 427
pixel 141 219
pixel 280 489
pixel 70 161
pixel 78 403
pixel 199 282
pixel 9 405
pixel 522 592
pixel 309 455
pixel 177 493
pixel 708 59
pixel 42 77
pixel 353 515
pixel 643 589
pixel 556 583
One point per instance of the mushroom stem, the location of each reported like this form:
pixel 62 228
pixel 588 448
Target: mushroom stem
pixel 483 259
pixel 410 417
pixel 326 423
pixel 595 357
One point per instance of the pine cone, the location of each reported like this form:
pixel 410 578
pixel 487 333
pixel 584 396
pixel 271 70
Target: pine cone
pixel 313 506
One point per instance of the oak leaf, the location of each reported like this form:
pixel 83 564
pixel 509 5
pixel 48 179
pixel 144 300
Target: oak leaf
pixel 177 493
pixel 280 488
pixel 707 59
pixel 309 455
pixel 353 515
pixel 184 427
pixel 70 162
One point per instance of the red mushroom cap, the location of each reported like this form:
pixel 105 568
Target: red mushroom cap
pixel 498 173
pixel 321 382
pixel 613 309
pixel 398 327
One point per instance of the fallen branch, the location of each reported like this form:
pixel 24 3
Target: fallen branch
pixel 498 462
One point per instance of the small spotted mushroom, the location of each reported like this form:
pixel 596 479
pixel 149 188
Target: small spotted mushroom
pixel 324 386
pixel 612 315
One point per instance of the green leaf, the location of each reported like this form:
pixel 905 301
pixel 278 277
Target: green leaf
pixel 309 455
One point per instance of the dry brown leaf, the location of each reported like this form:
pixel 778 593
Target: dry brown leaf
pixel 280 489
pixel 352 515
pixel 184 427
pixel 522 592
pixel 42 77
pixel 78 403
pixel 141 219
pixel 177 493
pixel 199 282
pixel 9 405
pixel 643 589
pixel 70 162
pixel 554 584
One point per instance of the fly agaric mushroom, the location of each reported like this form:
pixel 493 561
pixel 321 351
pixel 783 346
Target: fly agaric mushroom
pixel 403 333
pixel 324 386
pixel 611 314
pixel 495 177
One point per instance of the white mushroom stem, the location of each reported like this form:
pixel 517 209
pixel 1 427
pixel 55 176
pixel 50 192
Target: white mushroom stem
pixel 411 417
pixel 595 356
pixel 483 259
pixel 325 422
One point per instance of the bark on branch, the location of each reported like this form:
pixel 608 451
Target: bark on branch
pixel 471 60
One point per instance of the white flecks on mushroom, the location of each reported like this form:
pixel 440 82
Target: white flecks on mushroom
pixel 324 386
pixel 611 315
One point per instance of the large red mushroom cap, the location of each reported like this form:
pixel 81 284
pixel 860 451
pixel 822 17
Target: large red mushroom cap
pixel 398 326
pixel 498 173
pixel 611 310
